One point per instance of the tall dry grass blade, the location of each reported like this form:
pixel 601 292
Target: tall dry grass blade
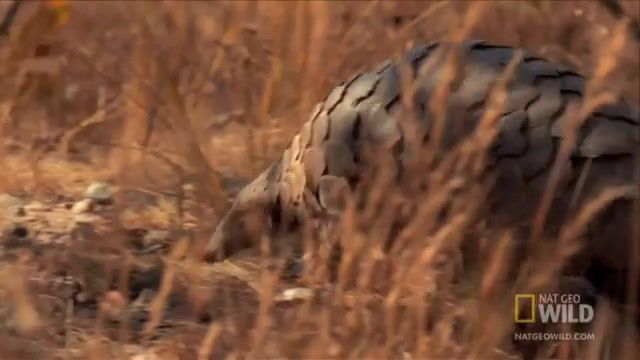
pixel 126 268
pixel 158 304
pixel 616 9
pixel 138 103
pixel 317 44
pixel 580 184
pixel 594 98
pixel 495 275
pixel 5 110
pixel 212 336
pixel 9 17
pixel 433 9
pixel 25 315
pixel 99 117
pixel 633 277
pixel 269 282
pixel 569 241
pixel 452 74
pixel 488 124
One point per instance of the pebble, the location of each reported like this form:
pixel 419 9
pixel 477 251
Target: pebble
pixel 99 192
pixel 188 188
pixel 35 206
pixel 293 294
pixel 82 206
pixel 155 237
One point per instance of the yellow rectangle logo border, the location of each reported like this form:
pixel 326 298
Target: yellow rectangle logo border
pixel 516 310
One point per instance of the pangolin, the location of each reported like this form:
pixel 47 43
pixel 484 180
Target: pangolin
pixel 325 153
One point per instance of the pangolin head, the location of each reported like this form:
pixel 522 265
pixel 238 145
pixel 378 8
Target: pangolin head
pixel 255 211
pixel 278 202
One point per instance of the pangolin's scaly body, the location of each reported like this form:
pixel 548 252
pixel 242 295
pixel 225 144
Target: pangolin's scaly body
pixel 366 108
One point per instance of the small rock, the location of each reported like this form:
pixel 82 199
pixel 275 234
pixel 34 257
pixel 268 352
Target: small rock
pixel 188 188
pixel 82 297
pixel 35 206
pixel 145 355
pixel 155 237
pixel 82 206
pixel 99 192
pixel 293 294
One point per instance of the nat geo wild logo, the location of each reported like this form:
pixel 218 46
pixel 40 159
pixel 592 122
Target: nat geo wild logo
pixel 551 308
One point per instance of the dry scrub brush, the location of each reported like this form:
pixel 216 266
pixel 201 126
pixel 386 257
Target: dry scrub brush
pixel 196 93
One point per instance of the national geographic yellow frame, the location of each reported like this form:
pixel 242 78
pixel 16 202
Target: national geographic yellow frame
pixel 516 309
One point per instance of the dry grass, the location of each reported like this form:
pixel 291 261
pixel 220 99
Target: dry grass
pixel 176 98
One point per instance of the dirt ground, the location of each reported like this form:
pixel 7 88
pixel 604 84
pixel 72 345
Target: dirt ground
pixel 167 108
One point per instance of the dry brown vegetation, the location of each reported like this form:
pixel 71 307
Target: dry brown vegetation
pixel 173 102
